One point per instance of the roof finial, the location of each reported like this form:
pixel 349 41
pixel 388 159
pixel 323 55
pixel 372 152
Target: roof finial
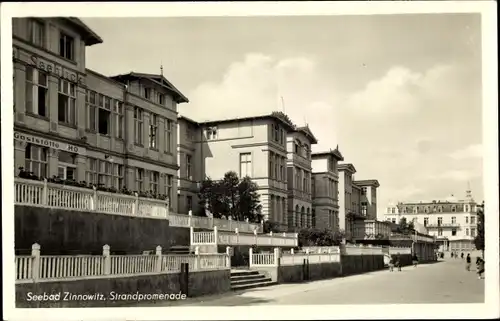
pixel 161 69
pixel 337 148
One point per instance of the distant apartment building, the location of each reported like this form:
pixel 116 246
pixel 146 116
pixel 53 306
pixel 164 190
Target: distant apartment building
pixel 250 146
pixel 452 221
pixel 368 197
pixel 325 189
pixel 74 123
pixel 299 171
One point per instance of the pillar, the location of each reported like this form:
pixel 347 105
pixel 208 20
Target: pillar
pixel 81 166
pixel 53 83
pixel 129 126
pixel 20 92
pixel 53 162
pixel 80 114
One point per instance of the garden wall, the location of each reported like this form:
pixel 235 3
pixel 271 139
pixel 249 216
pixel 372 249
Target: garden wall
pixel 200 283
pixel 67 232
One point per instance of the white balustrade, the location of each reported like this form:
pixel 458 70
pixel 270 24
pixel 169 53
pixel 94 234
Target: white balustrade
pixel 44 194
pixel 36 268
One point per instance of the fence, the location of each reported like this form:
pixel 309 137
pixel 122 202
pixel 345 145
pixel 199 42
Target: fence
pixel 38 268
pixel 399 249
pixel 236 238
pixel 292 258
pixel 361 250
pixel 44 194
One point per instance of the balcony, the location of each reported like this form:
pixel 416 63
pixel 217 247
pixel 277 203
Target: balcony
pixel 443 225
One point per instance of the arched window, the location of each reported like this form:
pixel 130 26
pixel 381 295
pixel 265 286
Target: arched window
pixel 453 209
pixel 308 218
pixel 297 216
pixel 303 216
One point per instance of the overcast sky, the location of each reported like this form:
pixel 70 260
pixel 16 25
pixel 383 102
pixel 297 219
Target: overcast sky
pixel 399 94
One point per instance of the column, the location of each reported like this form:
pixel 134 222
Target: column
pixel 53 99
pixel 20 92
pixel 81 111
pixel 146 117
pixel 53 162
pixel 161 135
pixel 130 178
pixel 81 167
pixel 19 155
pixel 129 126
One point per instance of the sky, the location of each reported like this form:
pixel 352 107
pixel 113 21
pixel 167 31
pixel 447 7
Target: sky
pixel 399 94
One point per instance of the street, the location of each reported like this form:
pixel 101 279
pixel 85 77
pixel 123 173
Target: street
pixel 442 282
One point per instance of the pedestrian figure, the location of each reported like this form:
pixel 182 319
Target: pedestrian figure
pixel 480 269
pixel 467 262
pixel 398 262
pixel 415 260
pixel 462 255
pixel 391 264
pixel 442 255
pixel 452 255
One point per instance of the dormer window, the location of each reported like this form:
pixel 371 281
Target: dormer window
pixel 211 133
pixel 66 46
pixel 453 209
pixel 146 93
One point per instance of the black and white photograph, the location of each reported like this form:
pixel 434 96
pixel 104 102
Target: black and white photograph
pixel 314 159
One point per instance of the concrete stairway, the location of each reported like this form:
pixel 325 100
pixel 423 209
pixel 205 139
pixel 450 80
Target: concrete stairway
pixel 247 279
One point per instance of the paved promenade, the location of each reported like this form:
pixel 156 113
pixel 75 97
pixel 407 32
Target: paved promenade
pixel 442 282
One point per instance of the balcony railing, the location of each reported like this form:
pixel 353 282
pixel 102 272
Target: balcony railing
pixel 217 237
pixel 44 194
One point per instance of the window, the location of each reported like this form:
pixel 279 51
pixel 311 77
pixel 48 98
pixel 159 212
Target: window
pixel 473 220
pixel 453 209
pixel 189 173
pixel 66 46
pixel 154 177
pixel 169 137
pixel 440 232
pixel 189 201
pixel 281 133
pixel 466 220
pixel 282 169
pixel 440 221
pixel 36 91
pixel 105 173
pixel 189 132
pixel 440 209
pixel 90 102
pixel 277 166
pixel 453 220
pixel 393 210
pixel 36 160
pixel 473 232
pixel 211 133
pixel 139 179
pixel 153 131
pixel 138 126
pixel 118 117
pixel 37 33
pixel 245 165
pixel 118 175
pixel 169 188
pixel 146 93
pixel 426 209
pixel 296 147
pixel 271 165
pixel 297 178
pixel 67 166
pixel 426 221
pixel 276 132
pixel 467 232
pixel 160 99
pixel 66 102
pixel 363 191
pixel 453 232
pixel 91 174
pixel 104 115
pixel 393 220
pixel 304 180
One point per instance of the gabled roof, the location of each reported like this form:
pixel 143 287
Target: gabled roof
pixel 308 133
pixel 189 120
pixel 335 153
pixel 347 167
pixel 89 37
pixel 367 182
pixel 158 79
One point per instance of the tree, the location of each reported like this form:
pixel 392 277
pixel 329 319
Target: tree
pixel 316 237
pixel 230 197
pixel 271 226
pixel 479 239
pixel 404 226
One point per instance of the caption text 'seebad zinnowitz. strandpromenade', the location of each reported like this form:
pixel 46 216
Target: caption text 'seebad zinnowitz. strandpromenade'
pixel 112 296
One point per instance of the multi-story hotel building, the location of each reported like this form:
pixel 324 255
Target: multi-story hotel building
pixel 250 146
pixel 74 123
pixel 300 211
pixel 368 197
pixel 325 189
pixel 452 221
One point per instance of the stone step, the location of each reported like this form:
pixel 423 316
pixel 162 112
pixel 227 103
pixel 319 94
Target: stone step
pixel 243 272
pixel 252 285
pixel 262 278
pixel 247 277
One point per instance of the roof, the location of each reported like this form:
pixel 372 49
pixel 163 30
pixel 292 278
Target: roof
pixel 308 133
pixel 335 153
pixel 158 79
pixel 272 116
pixel 355 185
pixel 367 182
pixel 189 120
pixel 88 35
pixel 347 167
